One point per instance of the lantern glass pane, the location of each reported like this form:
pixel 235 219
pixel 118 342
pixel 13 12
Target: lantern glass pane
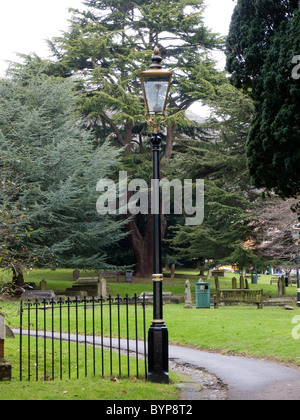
pixel 156 91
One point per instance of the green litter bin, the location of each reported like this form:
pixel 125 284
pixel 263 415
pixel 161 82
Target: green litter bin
pixel 202 295
pixel 254 278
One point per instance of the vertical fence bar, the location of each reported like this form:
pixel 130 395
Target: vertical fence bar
pixel 21 339
pixel 101 328
pixel 85 344
pixel 60 337
pixel 119 335
pixel 52 329
pixel 36 341
pixel 76 326
pixel 110 335
pixel 145 341
pixel 136 335
pixel 69 338
pixel 28 343
pixel 127 332
pixel 45 341
pixel 93 322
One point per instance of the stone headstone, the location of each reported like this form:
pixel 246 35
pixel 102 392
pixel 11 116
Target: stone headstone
pixel 88 280
pixel 129 276
pixel 172 271
pixel 38 295
pixel 43 285
pixel 9 332
pixel 242 283
pixel 76 275
pixel 234 283
pixel 103 288
pixel 188 295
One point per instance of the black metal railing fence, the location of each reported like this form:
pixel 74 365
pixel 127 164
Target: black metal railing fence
pixel 73 337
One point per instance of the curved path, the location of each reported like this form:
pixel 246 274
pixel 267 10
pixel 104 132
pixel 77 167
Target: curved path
pixel 245 378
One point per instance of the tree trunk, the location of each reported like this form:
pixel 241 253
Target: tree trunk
pixel 18 282
pixel 171 130
pixel 142 245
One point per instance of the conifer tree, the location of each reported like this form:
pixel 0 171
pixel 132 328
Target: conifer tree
pixel 219 159
pixel 262 44
pixel 49 170
pixel 105 49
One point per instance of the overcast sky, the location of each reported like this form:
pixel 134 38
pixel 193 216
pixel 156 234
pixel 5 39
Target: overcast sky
pixel 25 25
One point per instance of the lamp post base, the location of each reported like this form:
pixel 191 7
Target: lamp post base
pixel 158 353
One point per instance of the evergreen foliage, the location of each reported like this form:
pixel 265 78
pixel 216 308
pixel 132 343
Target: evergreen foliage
pixel 104 50
pixel 111 42
pixel 219 158
pixel 274 138
pixel 262 42
pixel 49 170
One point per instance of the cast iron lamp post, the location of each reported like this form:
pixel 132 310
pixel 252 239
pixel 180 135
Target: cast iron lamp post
pixel 296 232
pixel 156 85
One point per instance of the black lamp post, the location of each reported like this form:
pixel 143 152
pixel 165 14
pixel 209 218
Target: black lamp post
pixel 296 232
pixel 156 85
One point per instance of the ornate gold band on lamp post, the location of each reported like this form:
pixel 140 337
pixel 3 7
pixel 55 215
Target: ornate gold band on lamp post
pixel 296 237
pixel 156 85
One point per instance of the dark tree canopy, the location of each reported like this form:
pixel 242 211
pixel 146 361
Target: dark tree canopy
pixel 274 137
pixel 253 24
pixel 261 49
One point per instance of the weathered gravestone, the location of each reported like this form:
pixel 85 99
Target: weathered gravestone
pixel 101 288
pixel 242 283
pixel 188 295
pixel 43 285
pixel 38 295
pixel 172 271
pixel 76 275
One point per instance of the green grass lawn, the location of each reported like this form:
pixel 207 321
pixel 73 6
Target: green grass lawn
pixel 85 388
pixel 59 280
pixel 242 330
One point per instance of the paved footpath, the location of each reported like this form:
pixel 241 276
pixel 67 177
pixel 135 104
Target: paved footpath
pixel 245 378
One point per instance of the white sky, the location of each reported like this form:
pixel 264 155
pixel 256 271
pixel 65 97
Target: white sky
pixel 26 24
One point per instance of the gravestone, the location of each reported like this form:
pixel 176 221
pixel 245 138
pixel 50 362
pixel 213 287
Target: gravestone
pixel 76 275
pixel 43 285
pixel 129 276
pixel 38 295
pixel 281 286
pixel 234 283
pixel 103 288
pixel 188 295
pixel 242 283
pixel 172 271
